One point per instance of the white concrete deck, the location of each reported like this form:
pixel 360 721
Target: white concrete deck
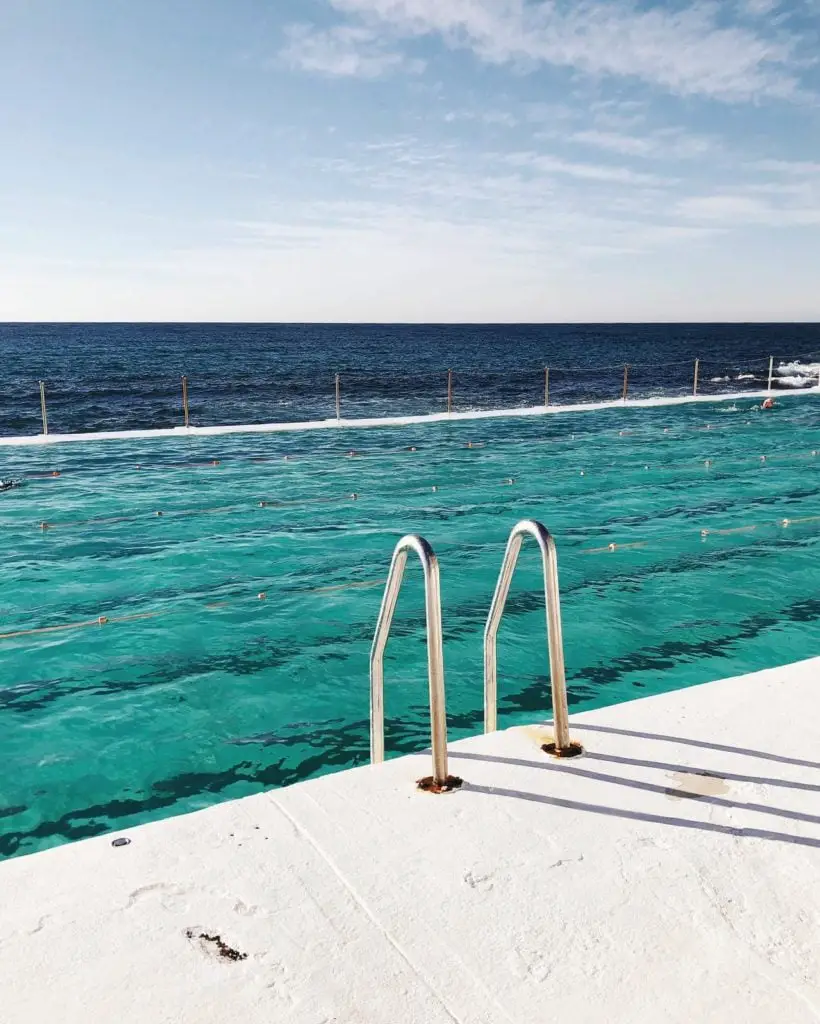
pixel 671 875
pixel 395 421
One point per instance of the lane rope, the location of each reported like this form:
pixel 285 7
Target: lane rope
pixel 261 596
pixel 304 502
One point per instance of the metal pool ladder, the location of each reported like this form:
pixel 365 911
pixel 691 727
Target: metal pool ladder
pixel 440 781
pixel 563 746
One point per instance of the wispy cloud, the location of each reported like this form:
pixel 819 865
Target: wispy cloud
pixel 746 209
pixel 587 172
pixel 665 143
pixel 799 168
pixel 345 51
pixel 688 51
pixel 758 8
pixel 499 118
pixel 595 204
pixel 522 202
pixel 553 232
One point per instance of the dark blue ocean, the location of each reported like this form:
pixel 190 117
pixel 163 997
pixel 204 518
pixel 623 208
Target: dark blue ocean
pixel 127 376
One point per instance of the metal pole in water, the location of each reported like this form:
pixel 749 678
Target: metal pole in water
pixel 626 380
pixel 771 372
pixel 546 386
pixel 697 373
pixel 43 409
pixel 185 410
pixel 449 391
pixel 338 397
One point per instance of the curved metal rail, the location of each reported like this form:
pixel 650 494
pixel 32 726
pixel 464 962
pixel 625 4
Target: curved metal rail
pixel 555 641
pixel 435 653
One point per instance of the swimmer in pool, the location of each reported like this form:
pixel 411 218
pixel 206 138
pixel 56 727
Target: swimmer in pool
pixel 768 404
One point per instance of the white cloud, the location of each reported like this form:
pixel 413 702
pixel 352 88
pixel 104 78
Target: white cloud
pixel 618 115
pixel 586 172
pixel 799 168
pixel 666 143
pixel 345 51
pixel 616 142
pixel 724 208
pixel 499 118
pixel 758 8
pixel 746 209
pixel 552 232
pixel 594 204
pixel 686 50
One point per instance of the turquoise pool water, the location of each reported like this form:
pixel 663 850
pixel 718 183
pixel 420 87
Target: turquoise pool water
pixel 196 690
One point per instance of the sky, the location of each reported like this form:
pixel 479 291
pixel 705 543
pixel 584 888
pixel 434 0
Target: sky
pixel 410 160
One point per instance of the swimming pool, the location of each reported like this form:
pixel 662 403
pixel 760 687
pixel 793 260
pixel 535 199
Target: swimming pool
pixel 197 689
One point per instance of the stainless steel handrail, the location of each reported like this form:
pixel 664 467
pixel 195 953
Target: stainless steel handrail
pixel 435 653
pixel 555 641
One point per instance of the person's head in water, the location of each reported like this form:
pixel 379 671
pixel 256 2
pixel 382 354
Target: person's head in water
pixel 768 404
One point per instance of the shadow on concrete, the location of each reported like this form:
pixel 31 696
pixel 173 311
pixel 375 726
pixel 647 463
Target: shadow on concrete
pixel 755 780
pixel 703 744
pixel 660 819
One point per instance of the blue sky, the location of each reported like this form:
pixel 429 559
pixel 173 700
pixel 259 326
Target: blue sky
pixel 410 160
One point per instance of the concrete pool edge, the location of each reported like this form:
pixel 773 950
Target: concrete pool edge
pixel 394 421
pixel 682 846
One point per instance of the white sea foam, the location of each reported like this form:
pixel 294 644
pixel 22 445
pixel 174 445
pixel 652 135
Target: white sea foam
pixel 798 369
pixel 793 381
pixel 745 376
pixel 719 380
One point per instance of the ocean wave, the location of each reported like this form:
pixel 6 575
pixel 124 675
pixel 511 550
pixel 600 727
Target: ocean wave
pixel 745 376
pixel 793 381
pixel 719 380
pixel 798 369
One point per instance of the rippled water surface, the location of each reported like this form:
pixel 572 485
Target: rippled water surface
pixel 127 376
pixel 197 690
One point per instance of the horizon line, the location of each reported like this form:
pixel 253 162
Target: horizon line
pixel 413 323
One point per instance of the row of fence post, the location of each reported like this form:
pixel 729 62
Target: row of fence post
pixel 338 391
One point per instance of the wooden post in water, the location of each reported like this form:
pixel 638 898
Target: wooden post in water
pixel 185 411
pixel 771 372
pixel 449 391
pixel 338 397
pixel 546 386
pixel 43 409
pixel 626 380
pixel 697 374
